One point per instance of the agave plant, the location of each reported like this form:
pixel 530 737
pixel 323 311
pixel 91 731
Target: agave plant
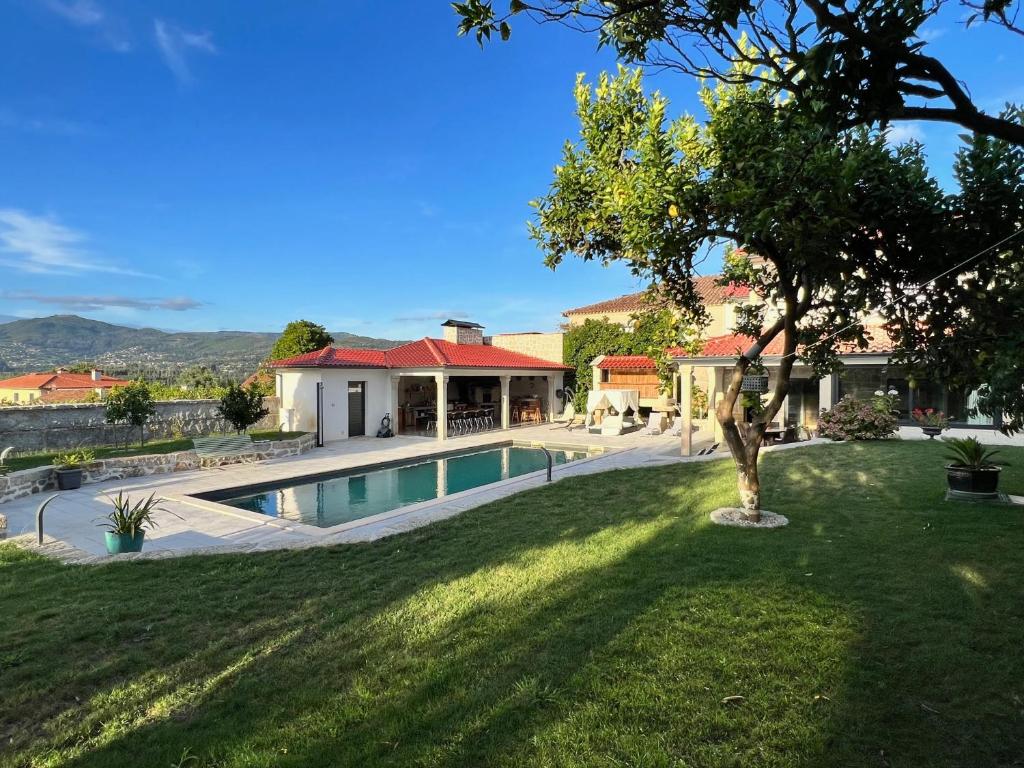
pixel 968 452
pixel 128 518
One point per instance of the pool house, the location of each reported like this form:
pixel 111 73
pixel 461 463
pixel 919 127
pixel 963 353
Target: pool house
pixel 457 384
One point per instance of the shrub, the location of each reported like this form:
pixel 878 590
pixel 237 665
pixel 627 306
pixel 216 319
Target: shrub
pixel 242 407
pixel 852 419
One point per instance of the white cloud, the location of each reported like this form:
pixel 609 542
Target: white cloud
pixel 84 13
pixel 113 32
pixel 42 245
pixel 931 34
pixel 52 126
pixel 898 133
pixel 89 303
pixel 175 43
pixel 444 314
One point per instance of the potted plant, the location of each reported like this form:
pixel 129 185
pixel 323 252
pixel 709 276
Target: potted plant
pixel 971 470
pixel 69 465
pixel 932 422
pixel 126 523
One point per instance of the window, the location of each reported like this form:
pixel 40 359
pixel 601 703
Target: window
pixel 606 375
pixel 17 395
pixel 862 381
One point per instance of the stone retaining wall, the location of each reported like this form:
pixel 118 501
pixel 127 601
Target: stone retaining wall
pixel 17 485
pixel 32 428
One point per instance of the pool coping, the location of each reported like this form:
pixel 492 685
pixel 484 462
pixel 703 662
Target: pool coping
pixel 313 531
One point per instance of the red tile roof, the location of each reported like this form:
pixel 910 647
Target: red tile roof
pixel 329 357
pixel 626 362
pixel 425 353
pixel 732 345
pixel 53 381
pixel 707 287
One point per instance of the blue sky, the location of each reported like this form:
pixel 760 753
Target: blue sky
pixel 189 165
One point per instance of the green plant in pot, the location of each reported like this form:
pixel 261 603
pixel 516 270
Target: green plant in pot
pixel 68 466
pixel 127 522
pixel 972 473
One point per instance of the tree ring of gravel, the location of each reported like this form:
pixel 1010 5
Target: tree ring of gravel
pixel 737 517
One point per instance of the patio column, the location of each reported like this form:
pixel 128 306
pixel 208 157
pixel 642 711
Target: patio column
pixel 442 405
pixel 554 384
pixel 826 386
pixel 506 417
pixel 685 406
pixel 395 407
pixel 716 385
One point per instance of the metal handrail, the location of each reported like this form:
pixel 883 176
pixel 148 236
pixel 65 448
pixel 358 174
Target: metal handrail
pixel 551 461
pixel 39 518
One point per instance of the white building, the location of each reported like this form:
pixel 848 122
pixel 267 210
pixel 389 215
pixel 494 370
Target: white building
pixel 428 387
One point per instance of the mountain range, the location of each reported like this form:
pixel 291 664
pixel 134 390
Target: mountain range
pixel 42 343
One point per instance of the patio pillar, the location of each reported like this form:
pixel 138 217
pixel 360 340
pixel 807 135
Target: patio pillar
pixel 716 385
pixel 826 386
pixel 595 372
pixel 442 405
pixel 505 402
pixel 395 407
pixel 554 384
pixel 685 406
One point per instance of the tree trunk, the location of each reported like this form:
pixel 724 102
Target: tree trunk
pixel 749 484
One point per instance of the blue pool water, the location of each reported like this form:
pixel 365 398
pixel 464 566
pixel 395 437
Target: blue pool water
pixel 333 500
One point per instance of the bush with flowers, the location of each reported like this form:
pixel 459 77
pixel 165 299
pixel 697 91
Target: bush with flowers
pixel 852 419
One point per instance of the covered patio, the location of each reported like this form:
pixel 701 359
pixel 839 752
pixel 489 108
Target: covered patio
pixel 445 402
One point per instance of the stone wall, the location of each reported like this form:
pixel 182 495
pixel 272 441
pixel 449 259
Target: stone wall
pixel 32 428
pixel 546 346
pixel 17 485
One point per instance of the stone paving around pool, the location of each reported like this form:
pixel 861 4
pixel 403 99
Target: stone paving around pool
pixel 71 521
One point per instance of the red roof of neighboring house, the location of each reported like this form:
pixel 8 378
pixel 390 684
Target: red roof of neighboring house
pixel 707 287
pixel 52 381
pixel 425 353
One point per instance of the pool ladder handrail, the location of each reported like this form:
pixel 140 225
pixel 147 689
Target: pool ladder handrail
pixel 551 461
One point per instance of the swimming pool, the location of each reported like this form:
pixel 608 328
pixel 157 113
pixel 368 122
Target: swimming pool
pixel 329 500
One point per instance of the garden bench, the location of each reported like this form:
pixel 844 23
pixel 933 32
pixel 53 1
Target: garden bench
pixel 223 445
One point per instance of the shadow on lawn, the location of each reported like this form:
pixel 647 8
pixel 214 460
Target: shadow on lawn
pixel 598 628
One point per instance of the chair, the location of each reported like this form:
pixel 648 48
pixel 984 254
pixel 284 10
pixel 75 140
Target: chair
pixel 455 422
pixel 431 418
pixel 653 424
pixel 568 416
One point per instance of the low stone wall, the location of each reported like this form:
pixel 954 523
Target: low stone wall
pixel 17 485
pixel 32 428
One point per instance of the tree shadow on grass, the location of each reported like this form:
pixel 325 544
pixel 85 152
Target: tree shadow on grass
pixel 599 622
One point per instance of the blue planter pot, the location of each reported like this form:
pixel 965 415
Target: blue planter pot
pixel 119 543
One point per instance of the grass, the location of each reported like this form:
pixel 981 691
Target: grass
pixel 600 621
pixel 31 460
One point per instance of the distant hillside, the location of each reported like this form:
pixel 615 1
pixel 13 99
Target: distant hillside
pixel 45 342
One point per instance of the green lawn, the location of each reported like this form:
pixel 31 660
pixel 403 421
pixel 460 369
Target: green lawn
pixel 28 461
pixel 599 621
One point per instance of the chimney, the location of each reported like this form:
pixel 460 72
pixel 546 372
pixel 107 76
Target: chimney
pixel 463 332
pixel 96 375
